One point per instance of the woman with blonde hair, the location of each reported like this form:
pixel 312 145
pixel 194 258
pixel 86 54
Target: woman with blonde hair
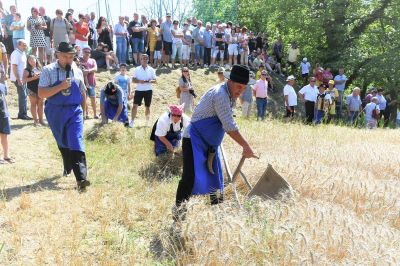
pixel 187 93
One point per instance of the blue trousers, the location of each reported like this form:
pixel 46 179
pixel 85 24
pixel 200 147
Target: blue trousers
pixel 22 102
pixel 261 107
pixel 121 49
pixel 352 116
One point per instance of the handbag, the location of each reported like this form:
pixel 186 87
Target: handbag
pixel 178 92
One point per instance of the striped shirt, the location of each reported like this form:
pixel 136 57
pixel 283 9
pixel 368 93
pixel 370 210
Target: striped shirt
pixel 217 102
pixel 49 76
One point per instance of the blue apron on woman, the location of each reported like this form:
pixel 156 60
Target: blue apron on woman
pixel 204 134
pixel 111 110
pixel 65 117
pixel 172 136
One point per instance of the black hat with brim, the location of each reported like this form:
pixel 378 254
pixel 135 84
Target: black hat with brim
pixel 240 74
pixel 110 89
pixel 66 48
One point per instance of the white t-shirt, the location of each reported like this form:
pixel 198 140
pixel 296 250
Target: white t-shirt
pixel 18 58
pixel 144 74
pixel 310 93
pixel 164 124
pixel 305 67
pixel 368 110
pixel 176 31
pixel 291 93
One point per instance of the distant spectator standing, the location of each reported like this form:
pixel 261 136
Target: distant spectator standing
pixel 124 81
pixel 18 64
pixel 36 25
pixel 372 113
pixel 136 29
pixel 121 33
pixel 18 29
pixel 260 90
pixel 144 76
pixel 92 25
pixel 334 96
pixel 198 36
pixel 187 43
pixel 60 29
pixel 340 84
pixel 166 28
pixel 48 50
pixel 322 104
pixel 308 94
pixel 208 35
pixel 176 43
pixel 152 34
pixel 8 34
pixel 105 32
pixel 247 100
pixel 354 106
pixel 290 97
pixel 81 31
pixel 278 50
pixel 89 68
pixel 293 53
pixel 187 91
pixel 305 68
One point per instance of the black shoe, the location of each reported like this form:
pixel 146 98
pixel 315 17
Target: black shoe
pixel 66 173
pixel 24 117
pixel 82 184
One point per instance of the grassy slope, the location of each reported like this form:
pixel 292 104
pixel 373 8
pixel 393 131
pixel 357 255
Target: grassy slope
pixel 345 209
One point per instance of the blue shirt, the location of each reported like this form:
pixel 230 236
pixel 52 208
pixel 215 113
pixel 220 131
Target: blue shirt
pixel 247 95
pixel 198 34
pixel 7 20
pixel 382 101
pixel 208 37
pixel 353 102
pixel 217 102
pixel 340 87
pixel 123 82
pixel 166 31
pixel 3 104
pixel 18 34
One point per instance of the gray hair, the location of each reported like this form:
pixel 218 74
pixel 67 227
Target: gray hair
pixel 356 89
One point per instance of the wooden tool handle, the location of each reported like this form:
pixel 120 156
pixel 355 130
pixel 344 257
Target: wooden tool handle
pixel 238 168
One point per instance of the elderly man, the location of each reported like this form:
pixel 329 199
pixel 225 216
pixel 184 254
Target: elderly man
pixel 212 117
pixel 354 105
pixel 136 29
pixel 62 84
pixel 290 97
pixel 340 84
pixel 166 32
pixel 18 64
pixel 198 37
pixel 308 94
pixel 372 113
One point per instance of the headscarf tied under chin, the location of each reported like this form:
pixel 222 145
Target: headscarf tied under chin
pixel 176 109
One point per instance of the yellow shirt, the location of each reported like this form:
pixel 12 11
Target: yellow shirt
pixel 258 75
pixel 293 54
pixel 153 35
pixel 334 95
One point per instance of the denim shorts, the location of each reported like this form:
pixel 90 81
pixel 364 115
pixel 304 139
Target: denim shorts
pixel 138 45
pixel 91 91
pixel 5 126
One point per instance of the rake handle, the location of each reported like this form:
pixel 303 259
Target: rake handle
pixel 238 169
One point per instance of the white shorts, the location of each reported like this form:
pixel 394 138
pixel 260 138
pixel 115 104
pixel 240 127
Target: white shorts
pixel 157 55
pixel 48 48
pixel 185 52
pixel 233 49
pixel 215 53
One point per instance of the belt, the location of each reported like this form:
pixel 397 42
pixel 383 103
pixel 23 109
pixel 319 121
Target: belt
pixel 261 98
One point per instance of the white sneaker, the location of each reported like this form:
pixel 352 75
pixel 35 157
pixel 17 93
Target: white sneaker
pixel 131 124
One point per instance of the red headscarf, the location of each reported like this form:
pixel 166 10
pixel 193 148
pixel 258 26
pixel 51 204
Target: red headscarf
pixel 176 109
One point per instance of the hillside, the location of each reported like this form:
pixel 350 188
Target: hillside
pixel 345 209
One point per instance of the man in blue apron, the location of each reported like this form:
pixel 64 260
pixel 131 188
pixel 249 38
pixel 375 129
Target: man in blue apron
pixel 62 84
pixel 168 129
pixel 113 104
pixel 212 117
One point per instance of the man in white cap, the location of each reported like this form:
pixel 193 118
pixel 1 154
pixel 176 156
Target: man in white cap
pixel 290 97
pixel 305 70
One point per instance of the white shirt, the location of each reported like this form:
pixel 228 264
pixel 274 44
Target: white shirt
pixel 18 58
pixel 305 67
pixel 368 110
pixel 309 93
pixel 176 31
pixel 144 74
pixel 164 124
pixel 291 93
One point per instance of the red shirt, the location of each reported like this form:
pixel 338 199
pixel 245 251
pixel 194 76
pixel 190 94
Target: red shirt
pixel 84 30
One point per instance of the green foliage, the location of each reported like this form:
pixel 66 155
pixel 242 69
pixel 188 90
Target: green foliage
pixel 211 10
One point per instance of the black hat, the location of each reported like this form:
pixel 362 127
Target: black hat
pixel 239 74
pixel 110 88
pixel 65 47
pixel 322 86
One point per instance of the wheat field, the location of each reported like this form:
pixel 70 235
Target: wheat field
pixel 345 208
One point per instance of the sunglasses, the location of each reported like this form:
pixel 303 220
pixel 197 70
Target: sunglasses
pixel 263 74
pixel 312 81
pixel 185 71
pixel 177 115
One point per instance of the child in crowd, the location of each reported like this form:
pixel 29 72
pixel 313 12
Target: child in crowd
pixel 157 51
pixel 31 78
pixel 324 100
pixel 5 128
pixel 124 81
pixel 18 29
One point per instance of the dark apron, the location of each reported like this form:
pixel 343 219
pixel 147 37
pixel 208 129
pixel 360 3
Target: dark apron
pixel 172 136
pixel 111 110
pixel 65 117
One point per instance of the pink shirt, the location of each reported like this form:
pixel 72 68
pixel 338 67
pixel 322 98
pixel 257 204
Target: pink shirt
pixel 261 88
pixel 91 63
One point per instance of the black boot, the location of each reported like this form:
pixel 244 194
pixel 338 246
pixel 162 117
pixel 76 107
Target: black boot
pixel 78 161
pixel 66 155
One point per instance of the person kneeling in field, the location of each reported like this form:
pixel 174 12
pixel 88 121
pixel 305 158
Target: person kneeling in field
pixel 113 104
pixel 167 131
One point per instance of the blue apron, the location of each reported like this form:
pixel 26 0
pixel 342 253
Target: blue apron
pixel 65 117
pixel 172 136
pixel 203 134
pixel 111 110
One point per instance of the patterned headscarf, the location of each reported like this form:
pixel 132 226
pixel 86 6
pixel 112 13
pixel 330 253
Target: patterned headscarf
pixel 176 109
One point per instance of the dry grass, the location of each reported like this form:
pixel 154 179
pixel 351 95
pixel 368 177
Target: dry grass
pixel 345 209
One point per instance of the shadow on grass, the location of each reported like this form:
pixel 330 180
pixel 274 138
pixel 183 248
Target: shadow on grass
pixel 168 244
pixel 49 183
pixel 163 168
